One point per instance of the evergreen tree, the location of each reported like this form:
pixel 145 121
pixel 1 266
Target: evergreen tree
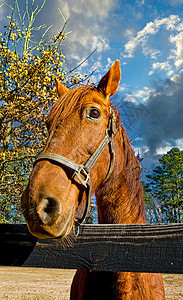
pixel 165 187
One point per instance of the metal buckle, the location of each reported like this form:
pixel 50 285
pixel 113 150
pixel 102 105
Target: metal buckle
pixel 76 229
pixel 83 172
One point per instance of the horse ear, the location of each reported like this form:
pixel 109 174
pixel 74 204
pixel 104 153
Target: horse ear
pixel 61 89
pixel 108 85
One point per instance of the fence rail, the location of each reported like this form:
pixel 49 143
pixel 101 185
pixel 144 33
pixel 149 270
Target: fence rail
pixel 136 248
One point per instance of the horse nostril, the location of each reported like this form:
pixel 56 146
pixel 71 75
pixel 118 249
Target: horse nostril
pixel 49 205
pixel 49 210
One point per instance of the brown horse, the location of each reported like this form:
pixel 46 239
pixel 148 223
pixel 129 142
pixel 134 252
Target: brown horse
pixel 85 133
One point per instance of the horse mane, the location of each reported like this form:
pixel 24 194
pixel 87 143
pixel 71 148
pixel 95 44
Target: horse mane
pixel 66 104
pixel 132 202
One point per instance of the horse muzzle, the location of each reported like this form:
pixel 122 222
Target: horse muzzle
pixel 46 220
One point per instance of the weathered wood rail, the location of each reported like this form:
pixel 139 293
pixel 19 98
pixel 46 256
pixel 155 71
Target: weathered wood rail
pixel 137 248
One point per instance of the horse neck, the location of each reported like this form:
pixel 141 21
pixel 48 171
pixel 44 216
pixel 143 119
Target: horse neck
pixel 121 200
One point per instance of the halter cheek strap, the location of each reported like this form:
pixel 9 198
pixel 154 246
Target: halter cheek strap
pixel 83 171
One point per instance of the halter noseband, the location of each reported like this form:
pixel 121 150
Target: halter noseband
pixel 84 170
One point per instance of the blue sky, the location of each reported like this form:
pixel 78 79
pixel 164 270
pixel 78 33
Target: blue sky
pixel 147 38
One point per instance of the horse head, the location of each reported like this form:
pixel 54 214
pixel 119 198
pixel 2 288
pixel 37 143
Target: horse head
pixel 81 128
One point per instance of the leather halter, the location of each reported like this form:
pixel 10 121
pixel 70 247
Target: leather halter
pixel 84 170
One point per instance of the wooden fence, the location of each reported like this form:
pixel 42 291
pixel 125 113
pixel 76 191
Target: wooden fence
pixel 137 248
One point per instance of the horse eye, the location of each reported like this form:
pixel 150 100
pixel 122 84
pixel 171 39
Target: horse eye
pixel 94 113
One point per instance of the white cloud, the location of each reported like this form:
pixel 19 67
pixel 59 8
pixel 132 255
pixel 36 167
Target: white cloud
pixel 167 32
pixel 139 96
pixel 170 73
pixel 91 8
pixel 130 98
pixel 100 43
pixel 129 32
pixel 160 66
pixel 130 47
pixel 147 50
pixel 163 150
pixel 179 143
pixel 149 30
pixel 177 78
pixel 177 53
pixel 122 88
pixel 109 64
pixel 144 94
pixel 88 21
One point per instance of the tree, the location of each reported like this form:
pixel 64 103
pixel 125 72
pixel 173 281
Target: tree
pixel 92 217
pixel 165 188
pixel 27 70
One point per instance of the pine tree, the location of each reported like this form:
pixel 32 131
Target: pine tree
pixel 166 186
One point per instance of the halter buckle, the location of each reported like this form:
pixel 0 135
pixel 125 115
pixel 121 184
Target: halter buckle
pixel 82 171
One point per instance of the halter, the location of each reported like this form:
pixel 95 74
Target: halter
pixel 84 170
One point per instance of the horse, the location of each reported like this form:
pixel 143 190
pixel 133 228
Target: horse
pixel 87 152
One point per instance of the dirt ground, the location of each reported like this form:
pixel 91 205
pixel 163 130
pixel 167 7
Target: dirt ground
pixel 54 284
